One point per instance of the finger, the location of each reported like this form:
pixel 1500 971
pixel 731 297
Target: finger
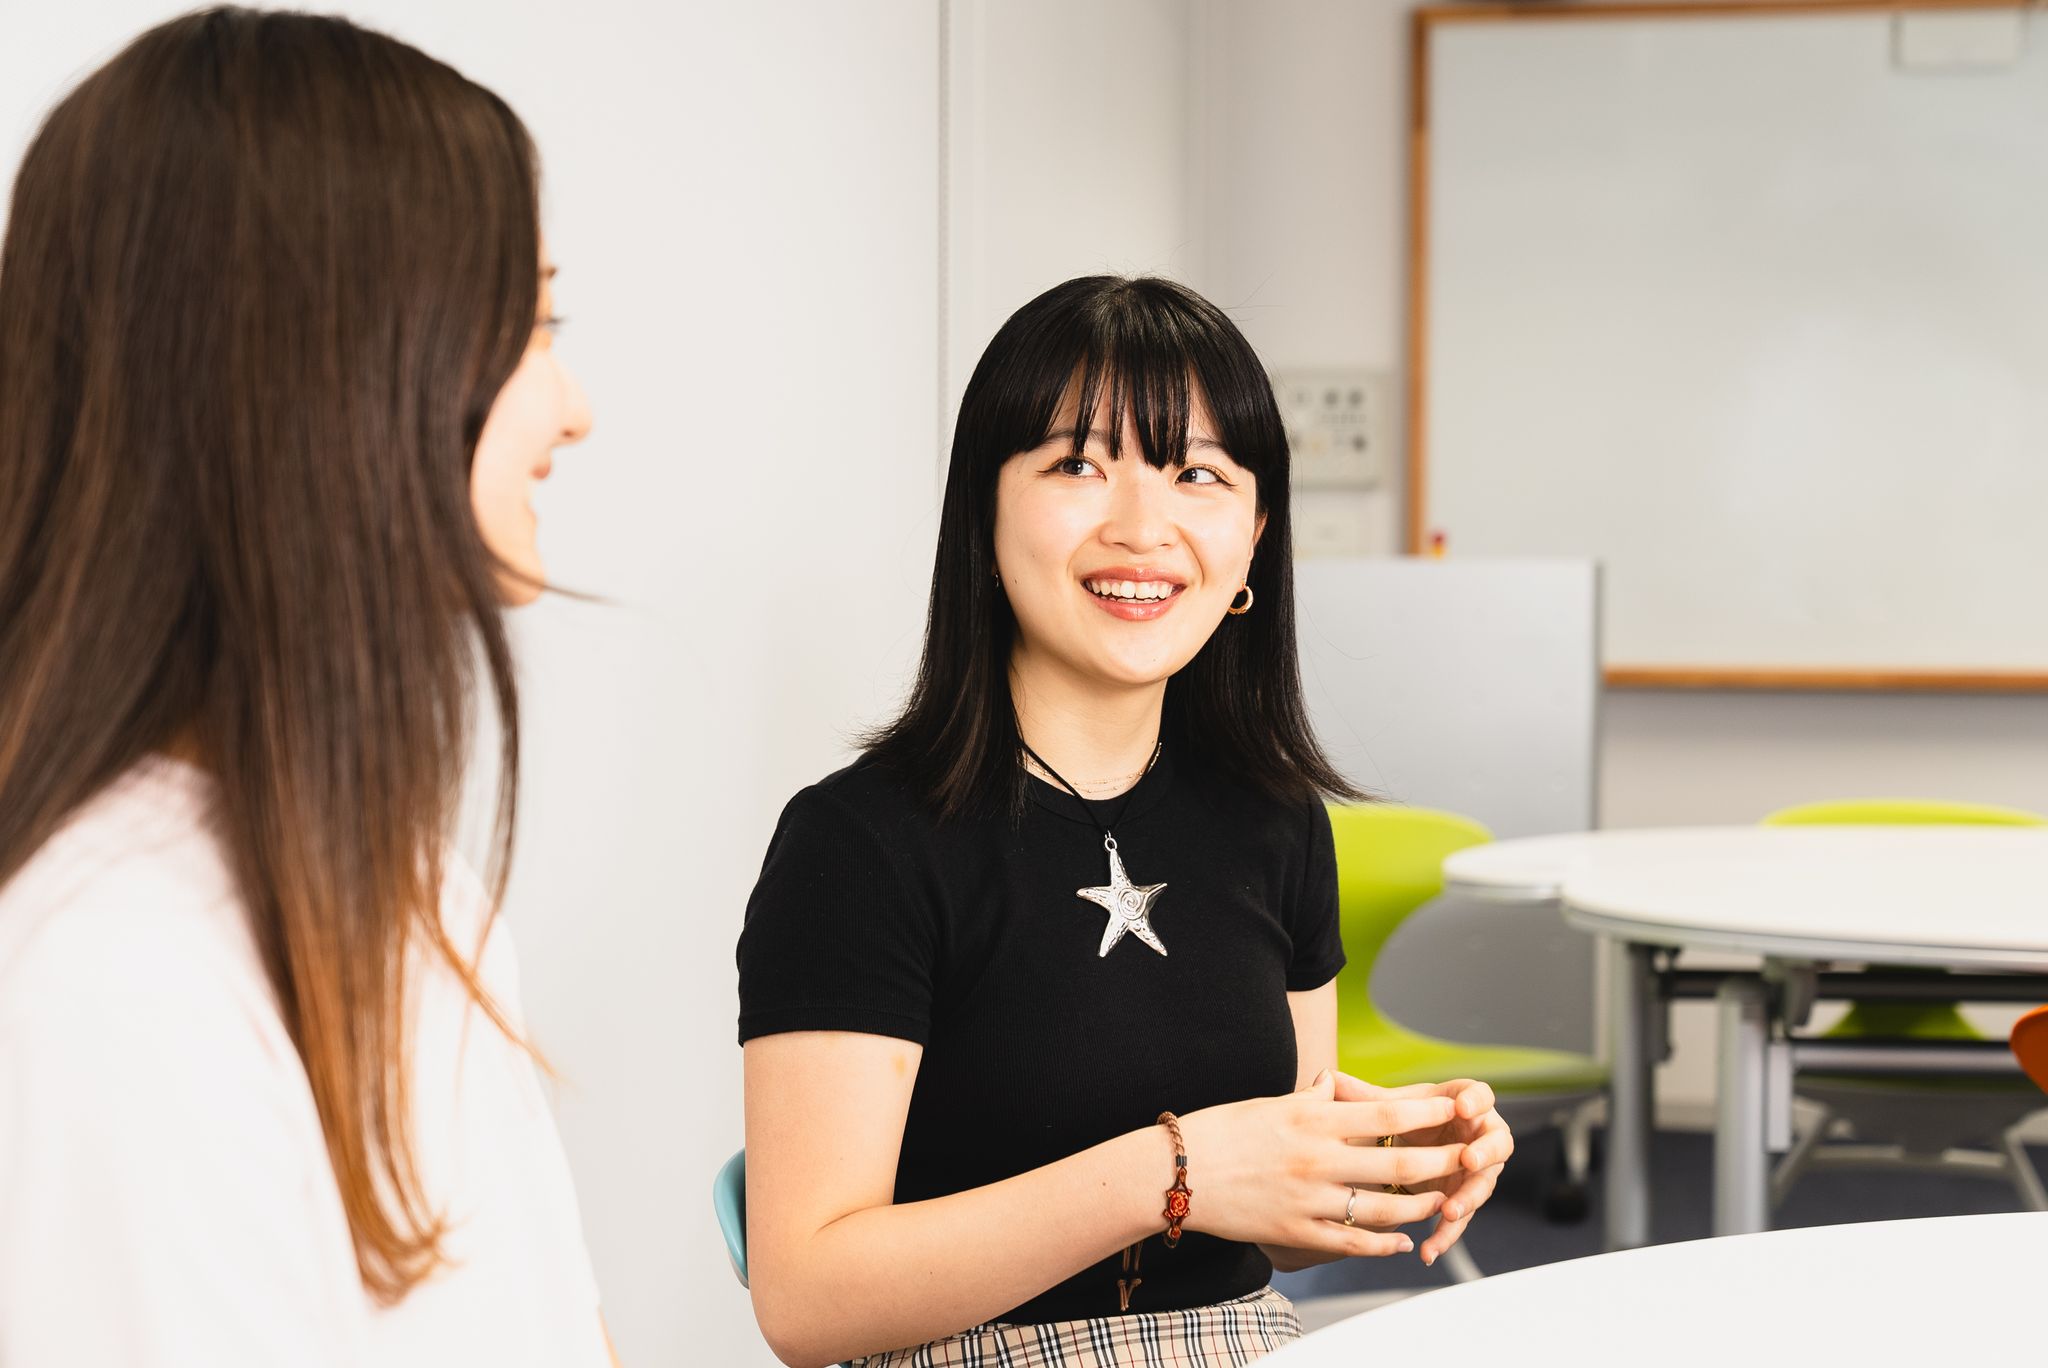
pixel 1470 1195
pixel 1323 1085
pixel 1473 1098
pixel 1351 1089
pixel 1386 1210
pixel 1408 1165
pixel 1398 1116
pixel 1334 1237
pixel 1492 1144
pixel 1446 1234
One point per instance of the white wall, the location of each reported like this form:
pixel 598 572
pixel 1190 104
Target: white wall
pixel 1070 153
pixel 1308 174
pixel 743 200
pixel 1301 117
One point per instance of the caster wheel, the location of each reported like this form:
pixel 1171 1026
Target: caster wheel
pixel 1565 1202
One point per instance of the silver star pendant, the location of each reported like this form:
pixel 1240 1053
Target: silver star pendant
pixel 1129 906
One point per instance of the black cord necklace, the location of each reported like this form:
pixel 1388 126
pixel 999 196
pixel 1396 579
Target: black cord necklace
pixel 1129 905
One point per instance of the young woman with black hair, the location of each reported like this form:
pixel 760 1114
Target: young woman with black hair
pixel 276 382
pixel 1037 995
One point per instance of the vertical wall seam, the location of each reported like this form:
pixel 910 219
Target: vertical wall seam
pixel 945 245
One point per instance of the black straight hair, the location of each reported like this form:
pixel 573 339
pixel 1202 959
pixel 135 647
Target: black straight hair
pixel 1145 344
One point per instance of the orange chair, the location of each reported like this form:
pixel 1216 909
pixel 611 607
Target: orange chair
pixel 2030 1043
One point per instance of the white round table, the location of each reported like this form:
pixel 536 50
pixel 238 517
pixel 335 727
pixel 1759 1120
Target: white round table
pixel 1961 897
pixel 1533 868
pixel 1950 1289
pixel 1957 897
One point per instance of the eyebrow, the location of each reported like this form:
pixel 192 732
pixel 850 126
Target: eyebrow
pixel 1102 435
pixel 549 272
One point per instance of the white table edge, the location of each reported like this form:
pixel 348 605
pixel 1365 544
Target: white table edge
pixel 1572 1285
pixel 1801 948
pixel 1504 892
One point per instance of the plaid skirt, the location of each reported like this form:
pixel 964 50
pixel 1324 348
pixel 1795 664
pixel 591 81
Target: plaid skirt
pixel 1221 1336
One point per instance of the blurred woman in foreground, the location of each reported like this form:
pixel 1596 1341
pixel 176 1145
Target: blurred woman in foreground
pixel 275 383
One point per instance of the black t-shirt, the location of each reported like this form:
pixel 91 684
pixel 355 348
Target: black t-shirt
pixel 968 938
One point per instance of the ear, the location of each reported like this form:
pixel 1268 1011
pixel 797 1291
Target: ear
pixel 1258 531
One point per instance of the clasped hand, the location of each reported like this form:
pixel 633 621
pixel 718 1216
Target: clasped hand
pixel 1280 1171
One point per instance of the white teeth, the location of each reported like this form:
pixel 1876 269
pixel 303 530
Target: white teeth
pixel 1136 591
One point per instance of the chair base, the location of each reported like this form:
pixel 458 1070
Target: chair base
pixel 2007 1162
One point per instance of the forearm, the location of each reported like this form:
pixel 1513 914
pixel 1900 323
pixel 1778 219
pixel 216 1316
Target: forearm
pixel 887 1277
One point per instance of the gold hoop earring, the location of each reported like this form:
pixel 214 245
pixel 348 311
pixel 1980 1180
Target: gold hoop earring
pixel 1236 611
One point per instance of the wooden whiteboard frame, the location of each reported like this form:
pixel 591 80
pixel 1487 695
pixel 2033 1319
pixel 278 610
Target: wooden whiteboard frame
pixel 1424 23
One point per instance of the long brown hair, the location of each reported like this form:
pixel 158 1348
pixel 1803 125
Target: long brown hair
pixel 263 276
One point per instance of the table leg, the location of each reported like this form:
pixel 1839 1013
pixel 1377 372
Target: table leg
pixel 1742 1170
pixel 1631 1095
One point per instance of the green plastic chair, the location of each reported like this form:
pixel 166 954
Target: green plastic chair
pixel 1389 863
pixel 1926 1113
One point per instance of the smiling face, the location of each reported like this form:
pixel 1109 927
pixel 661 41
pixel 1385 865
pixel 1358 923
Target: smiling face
pixel 1118 572
pixel 540 408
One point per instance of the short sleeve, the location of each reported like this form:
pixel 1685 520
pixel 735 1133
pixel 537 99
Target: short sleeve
pixel 834 939
pixel 1312 919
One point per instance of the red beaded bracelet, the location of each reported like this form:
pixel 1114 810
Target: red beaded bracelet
pixel 1177 1196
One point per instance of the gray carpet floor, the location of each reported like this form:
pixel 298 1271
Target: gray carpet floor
pixel 1511 1232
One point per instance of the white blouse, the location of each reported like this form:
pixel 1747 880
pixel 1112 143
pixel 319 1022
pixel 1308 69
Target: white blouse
pixel 165 1191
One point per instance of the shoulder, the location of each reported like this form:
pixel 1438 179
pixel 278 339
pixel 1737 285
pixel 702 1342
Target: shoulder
pixel 842 929
pixel 127 959
pixel 853 848
pixel 131 912
pixel 867 803
pixel 872 791
pixel 155 1106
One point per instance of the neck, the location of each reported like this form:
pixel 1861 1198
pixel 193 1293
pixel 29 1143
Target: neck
pixel 1099 737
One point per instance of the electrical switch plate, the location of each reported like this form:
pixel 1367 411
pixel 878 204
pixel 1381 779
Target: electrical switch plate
pixel 1339 428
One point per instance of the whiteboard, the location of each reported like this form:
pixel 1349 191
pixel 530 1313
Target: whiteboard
pixel 1754 316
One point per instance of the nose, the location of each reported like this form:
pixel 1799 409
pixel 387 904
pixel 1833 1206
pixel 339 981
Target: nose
pixel 1138 518
pixel 576 416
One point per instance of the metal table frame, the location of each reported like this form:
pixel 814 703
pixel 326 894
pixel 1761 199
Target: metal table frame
pixel 1757 1059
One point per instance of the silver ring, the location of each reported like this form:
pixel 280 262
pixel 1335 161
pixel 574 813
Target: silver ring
pixel 1349 1203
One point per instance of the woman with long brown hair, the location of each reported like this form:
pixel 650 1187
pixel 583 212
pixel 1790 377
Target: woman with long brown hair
pixel 275 382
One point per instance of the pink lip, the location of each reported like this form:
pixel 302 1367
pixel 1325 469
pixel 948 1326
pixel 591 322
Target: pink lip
pixel 1141 611
pixel 544 469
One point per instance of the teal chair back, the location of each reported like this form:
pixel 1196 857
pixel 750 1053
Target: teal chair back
pixel 729 1200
